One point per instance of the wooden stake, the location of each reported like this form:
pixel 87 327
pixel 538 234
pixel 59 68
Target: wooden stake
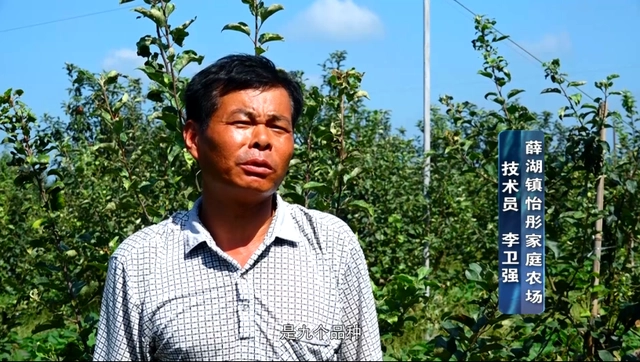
pixel 597 243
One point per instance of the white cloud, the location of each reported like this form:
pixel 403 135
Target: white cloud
pixel 549 44
pixel 123 60
pixel 336 20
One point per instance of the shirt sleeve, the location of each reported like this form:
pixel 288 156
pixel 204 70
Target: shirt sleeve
pixel 360 318
pixel 119 336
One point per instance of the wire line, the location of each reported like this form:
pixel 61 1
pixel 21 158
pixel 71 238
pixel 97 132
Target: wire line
pixel 66 19
pixel 516 44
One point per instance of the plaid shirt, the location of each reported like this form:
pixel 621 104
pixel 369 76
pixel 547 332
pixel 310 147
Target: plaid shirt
pixel 171 294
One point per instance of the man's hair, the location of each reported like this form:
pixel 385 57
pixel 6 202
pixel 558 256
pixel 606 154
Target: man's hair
pixel 235 73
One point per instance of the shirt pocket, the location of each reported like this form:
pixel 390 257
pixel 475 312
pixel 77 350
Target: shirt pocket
pixel 308 349
pixel 196 327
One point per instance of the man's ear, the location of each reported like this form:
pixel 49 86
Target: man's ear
pixel 190 134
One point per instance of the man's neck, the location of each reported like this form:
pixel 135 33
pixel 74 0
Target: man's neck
pixel 234 224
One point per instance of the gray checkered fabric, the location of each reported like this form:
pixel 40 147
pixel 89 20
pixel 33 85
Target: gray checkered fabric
pixel 172 295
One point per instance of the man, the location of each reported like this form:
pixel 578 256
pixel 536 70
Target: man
pixel 243 275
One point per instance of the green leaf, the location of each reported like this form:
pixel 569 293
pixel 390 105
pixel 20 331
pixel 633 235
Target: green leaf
pixel 554 247
pixel 252 4
pixel 576 84
pixel 180 33
pixel 240 27
pixel 268 37
pixel 118 106
pixel 111 77
pixel 57 322
pixel 313 185
pixel 475 267
pixel 606 355
pixel 404 279
pixel 361 94
pixel 499 100
pixel 422 272
pixel 259 50
pixel 576 98
pixel 631 186
pixel 514 92
pixel 155 95
pixel 57 201
pixel 109 146
pixel 100 266
pixel 295 197
pixel 484 73
pixel 265 13
pixel 490 94
pixel 464 319
pixel 363 205
pixel 573 214
pixel 77 287
pixel 185 58
pixel 143 46
pixel 155 14
pixel 294 161
pixel 472 275
pixel 188 157
pixel 43 159
pixel 352 174
pixel 551 90
pixel 169 8
pixel 38 223
pixel 118 126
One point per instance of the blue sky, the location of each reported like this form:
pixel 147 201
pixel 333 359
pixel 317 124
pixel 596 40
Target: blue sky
pixel 383 38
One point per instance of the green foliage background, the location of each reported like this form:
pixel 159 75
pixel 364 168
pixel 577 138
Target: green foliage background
pixel 73 189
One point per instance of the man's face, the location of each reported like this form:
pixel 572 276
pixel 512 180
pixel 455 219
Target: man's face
pixel 246 149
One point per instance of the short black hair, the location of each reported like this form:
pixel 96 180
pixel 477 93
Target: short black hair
pixel 234 73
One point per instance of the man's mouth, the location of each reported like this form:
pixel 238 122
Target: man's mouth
pixel 257 167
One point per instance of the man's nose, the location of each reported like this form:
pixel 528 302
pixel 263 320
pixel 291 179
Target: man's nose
pixel 260 137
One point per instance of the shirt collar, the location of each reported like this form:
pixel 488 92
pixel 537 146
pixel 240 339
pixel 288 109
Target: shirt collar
pixel 285 226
